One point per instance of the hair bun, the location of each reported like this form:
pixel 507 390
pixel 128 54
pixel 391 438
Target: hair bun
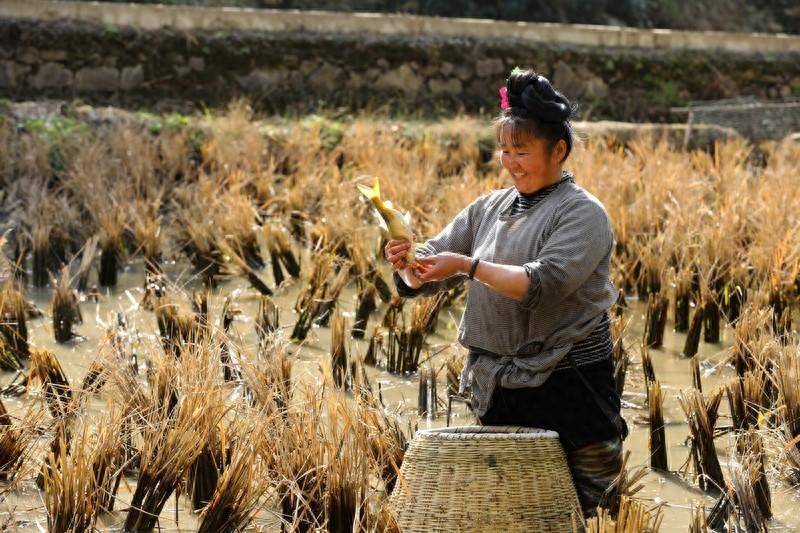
pixel 543 101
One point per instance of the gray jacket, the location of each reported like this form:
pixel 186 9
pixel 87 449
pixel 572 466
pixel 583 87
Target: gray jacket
pixel 564 243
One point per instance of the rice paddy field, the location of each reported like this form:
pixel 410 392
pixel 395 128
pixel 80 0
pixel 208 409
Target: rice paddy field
pixel 198 330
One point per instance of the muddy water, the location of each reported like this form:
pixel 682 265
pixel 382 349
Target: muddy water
pixel 672 370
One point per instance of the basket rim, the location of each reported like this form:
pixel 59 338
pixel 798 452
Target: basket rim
pixel 487 433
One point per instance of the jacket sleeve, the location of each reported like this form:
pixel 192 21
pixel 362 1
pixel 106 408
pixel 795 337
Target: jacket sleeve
pixel 456 237
pixel 580 240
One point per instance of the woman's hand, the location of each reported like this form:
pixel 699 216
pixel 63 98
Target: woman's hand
pixel 395 252
pixel 442 266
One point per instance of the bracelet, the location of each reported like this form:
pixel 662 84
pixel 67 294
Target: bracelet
pixel 474 267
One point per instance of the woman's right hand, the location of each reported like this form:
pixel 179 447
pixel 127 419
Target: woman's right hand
pixel 395 252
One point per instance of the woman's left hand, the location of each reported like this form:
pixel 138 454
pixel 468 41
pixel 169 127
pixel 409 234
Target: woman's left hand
pixel 441 266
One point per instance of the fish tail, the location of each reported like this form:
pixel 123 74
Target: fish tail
pixel 373 193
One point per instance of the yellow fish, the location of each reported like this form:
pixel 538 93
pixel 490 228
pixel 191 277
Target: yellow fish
pixel 396 224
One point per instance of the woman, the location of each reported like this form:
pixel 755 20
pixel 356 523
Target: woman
pixel 536 322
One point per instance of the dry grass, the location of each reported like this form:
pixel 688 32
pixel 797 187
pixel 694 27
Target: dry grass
pixel 633 517
pixel 700 231
pixel 788 382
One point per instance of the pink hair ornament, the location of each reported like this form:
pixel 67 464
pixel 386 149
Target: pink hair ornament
pixel 504 98
pixel 504 91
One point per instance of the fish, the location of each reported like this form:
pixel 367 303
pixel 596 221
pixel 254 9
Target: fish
pixel 395 224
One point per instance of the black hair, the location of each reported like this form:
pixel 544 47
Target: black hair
pixel 536 109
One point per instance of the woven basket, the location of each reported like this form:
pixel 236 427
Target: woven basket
pixel 485 478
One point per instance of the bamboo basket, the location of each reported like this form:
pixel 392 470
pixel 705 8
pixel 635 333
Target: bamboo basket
pixel 485 478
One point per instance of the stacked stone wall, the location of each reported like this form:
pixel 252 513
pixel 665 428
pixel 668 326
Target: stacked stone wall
pixel 291 66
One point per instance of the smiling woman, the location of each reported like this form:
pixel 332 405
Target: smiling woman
pixel 534 149
pixel 537 257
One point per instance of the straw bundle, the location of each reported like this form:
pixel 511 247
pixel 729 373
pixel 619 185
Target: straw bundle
pixel 384 438
pixel 702 415
pixel 13 327
pixel 15 442
pixel 405 345
pixel 176 327
pixel 112 226
pixel 239 264
pixel 203 475
pixel 347 476
pixel 109 457
pixel 656 320
pixel 366 306
pixel 50 246
pixel 145 225
pixel 201 247
pixel 313 293
pixel 749 482
pixel 70 490
pixel 683 298
pixel 95 377
pixel 229 370
pixel 394 312
pixel 787 375
pixel 692 343
pixel 375 346
pixel 746 399
pixel 169 447
pixel 699 524
pixel 647 367
pixel 658 441
pixel 626 484
pixel 711 320
pixel 427 399
pixel 266 319
pixel 694 366
pixel 267 378
pixel 64 309
pixel 238 490
pixel 297 464
pixel 342 370
pixel 47 370
pixel 326 307
pixel 619 353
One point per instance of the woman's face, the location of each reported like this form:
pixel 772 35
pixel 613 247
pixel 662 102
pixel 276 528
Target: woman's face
pixel 531 164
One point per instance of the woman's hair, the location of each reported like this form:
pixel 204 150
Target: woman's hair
pixel 535 109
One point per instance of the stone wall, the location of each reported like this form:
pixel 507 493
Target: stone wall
pixel 754 120
pixel 405 71
pixel 186 17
